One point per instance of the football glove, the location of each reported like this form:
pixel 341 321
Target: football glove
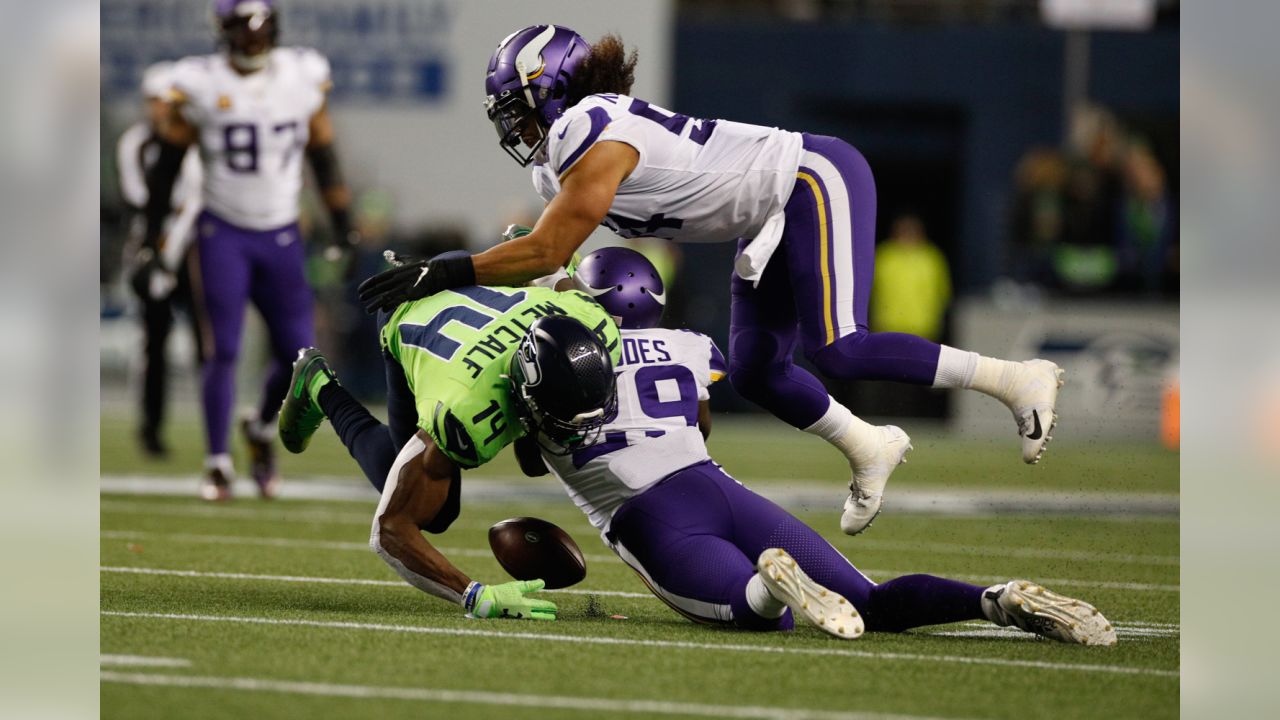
pixel 514 231
pixel 508 601
pixel 414 281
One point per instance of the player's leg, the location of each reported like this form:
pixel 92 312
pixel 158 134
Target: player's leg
pixel 220 287
pixel 832 270
pixel 280 292
pixel 157 317
pixel 676 548
pixel 764 333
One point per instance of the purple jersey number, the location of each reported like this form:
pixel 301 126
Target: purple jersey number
pixel 646 383
pixel 674 122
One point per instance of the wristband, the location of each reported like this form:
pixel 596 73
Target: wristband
pixel 470 595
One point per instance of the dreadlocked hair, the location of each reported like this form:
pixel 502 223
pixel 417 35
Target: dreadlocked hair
pixel 608 69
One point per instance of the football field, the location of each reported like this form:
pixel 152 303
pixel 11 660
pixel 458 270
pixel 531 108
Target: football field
pixel 279 609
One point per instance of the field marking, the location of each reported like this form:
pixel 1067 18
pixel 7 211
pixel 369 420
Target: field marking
pixel 957 549
pixel 672 644
pixel 310 516
pixel 142 661
pixel 298 543
pixel 481 697
pixel 328 580
pixel 472 552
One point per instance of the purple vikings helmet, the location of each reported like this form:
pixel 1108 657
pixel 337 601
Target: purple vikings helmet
pixel 625 284
pixel 528 76
pixel 248 29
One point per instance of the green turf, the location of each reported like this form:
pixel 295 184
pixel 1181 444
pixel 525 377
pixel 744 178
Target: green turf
pixel 903 674
pixel 749 449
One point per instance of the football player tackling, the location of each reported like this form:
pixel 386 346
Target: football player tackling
pixel 457 393
pixel 713 550
pixel 254 111
pixel 801 208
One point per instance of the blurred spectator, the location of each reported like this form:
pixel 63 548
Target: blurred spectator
pixel 912 282
pixel 1147 229
pixel 1038 216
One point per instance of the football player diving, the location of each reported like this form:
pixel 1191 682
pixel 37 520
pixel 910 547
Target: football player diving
pixel 715 551
pixel 800 206
pixel 254 110
pixel 456 395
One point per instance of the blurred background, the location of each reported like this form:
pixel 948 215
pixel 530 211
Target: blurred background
pixel 1025 154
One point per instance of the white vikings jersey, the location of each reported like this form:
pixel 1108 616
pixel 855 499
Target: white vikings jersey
pixel 253 131
pixel 662 376
pixel 696 180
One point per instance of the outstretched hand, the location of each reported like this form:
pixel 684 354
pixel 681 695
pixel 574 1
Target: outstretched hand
pixel 508 601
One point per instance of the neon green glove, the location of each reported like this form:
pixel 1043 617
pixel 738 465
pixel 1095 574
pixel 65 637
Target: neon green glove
pixel 508 600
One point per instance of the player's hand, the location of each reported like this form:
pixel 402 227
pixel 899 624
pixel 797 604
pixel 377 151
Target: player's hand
pixel 508 601
pixel 151 280
pixel 414 281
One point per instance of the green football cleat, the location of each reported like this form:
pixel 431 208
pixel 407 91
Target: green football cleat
pixel 301 416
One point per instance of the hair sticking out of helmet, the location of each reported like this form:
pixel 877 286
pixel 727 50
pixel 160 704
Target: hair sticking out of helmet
pixel 563 385
pixel 625 284
pixel 527 83
pixel 248 29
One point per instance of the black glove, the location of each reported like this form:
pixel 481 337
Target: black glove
pixel 415 280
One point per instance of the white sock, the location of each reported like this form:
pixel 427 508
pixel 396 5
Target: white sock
pixel 994 377
pixel 221 461
pixel 955 368
pixel 761 601
pixel 842 428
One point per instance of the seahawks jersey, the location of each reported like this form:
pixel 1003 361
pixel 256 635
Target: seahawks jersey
pixel 696 180
pixel 456 346
pixel 662 377
pixel 253 130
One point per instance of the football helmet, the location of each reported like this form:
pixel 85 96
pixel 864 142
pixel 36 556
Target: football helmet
pixel 527 83
pixel 562 384
pixel 248 29
pixel 625 284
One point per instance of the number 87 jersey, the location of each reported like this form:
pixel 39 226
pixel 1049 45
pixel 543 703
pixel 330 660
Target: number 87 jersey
pixel 253 131
pixel 662 376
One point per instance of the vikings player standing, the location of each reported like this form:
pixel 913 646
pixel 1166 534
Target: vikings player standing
pixel 801 208
pixel 710 548
pixel 253 110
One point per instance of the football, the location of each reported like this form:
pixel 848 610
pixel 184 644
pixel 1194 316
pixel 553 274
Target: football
pixel 529 548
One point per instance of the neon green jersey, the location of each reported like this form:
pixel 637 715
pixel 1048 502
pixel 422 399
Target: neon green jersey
pixel 455 348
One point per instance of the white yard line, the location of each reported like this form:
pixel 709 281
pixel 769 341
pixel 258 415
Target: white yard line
pixel 297 543
pixel 669 644
pixel 602 706
pixel 142 661
pixel 327 580
pixel 473 552
pixel 956 549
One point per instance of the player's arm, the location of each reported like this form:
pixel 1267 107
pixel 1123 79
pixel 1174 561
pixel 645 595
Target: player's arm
pixel 586 193
pixel 417 490
pixel 704 418
pixel 174 134
pixel 529 455
pixel 333 188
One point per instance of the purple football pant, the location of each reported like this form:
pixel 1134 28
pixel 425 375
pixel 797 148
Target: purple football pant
pixel 236 266
pixel 816 288
pixel 694 539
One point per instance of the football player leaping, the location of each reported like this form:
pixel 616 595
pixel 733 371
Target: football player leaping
pixel 254 110
pixel 450 406
pixel 804 204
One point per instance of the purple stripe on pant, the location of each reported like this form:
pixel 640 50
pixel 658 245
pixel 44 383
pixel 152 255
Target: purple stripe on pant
pixel 795 298
pixel 697 535
pixel 236 266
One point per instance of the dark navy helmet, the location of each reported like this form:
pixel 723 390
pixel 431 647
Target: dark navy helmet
pixel 562 384
pixel 248 29
pixel 625 284
pixel 528 79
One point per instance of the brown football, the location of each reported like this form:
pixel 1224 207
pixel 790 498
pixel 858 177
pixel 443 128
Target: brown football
pixel 529 548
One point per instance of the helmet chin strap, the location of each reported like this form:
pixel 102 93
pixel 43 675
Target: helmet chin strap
pixel 250 63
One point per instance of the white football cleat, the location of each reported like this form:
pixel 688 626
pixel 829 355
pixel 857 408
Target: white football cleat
pixel 871 469
pixel 827 609
pixel 1033 398
pixel 1031 607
